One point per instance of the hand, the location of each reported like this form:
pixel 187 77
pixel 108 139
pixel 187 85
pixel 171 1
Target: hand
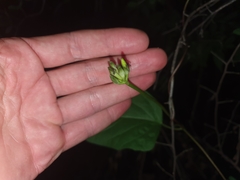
pixel 45 112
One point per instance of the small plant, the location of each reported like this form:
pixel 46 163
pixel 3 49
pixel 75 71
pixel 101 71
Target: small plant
pixel 119 74
pixel 139 127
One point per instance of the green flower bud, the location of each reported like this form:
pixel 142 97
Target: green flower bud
pixel 119 72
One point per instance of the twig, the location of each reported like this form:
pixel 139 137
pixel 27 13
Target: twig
pixel 163 170
pixel 205 153
pixel 177 27
pixel 237 156
pixel 225 102
pixel 217 95
pixel 206 88
pixel 220 59
pixel 183 152
pixel 235 73
pixel 172 111
pixel 190 17
pixel 163 144
pixel 225 158
pixel 181 41
pixel 230 121
pixel 212 14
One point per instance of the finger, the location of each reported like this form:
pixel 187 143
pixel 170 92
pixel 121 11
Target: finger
pixel 77 77
pixel 66 48
pixel 83 104
pixel 77 131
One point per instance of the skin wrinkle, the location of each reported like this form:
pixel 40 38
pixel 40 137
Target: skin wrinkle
pixel 2 91
pixel 90 73
pixel 30 46
pixel 16 105
pixel 14 74
pixel 95 101
pixel 7 102
pixel 73 46
pixel 137 64
pixel 12 133
pixel 60 82
pixel 89 127
pixel 111 114
pixel 2 94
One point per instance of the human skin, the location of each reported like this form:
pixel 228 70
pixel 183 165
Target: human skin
pixel 55 92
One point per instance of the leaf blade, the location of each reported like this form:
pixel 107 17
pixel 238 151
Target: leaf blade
pixel 137 129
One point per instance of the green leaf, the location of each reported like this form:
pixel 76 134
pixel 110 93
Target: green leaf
pixel 237 31
pixel 137 129
pixel 231 178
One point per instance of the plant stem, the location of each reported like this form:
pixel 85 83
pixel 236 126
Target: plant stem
pixel 204 152
pixel 148 96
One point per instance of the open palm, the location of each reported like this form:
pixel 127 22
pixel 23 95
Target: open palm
pixel 55 92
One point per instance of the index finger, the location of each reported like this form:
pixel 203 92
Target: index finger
pixel 60 49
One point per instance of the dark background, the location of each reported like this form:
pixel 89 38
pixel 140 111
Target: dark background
pixel 162 21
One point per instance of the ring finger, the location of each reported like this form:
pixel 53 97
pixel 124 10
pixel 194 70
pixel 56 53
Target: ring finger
pixel 90 73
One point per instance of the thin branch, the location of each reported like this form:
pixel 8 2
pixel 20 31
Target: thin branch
pixel 234 53
pixel 230 121
pixel 170 89
pixel 212 14
pixel 218 91
pixel 225 102
pixel 205 153
pixel 177 27
pixel 237 155
pixel 235 73
pixel 233 123
pixel 194 12
pixel 220 59
pixel 172 112
pixel 163 170
pixel 225 158
pixel 183 152
pixel 164 144
pixel 206 88
pixel 181 42
pixel 184 11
